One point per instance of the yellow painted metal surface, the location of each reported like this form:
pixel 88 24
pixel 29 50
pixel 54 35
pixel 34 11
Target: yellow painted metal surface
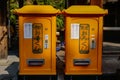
pixel 85 10
pixel 83 38
pixel 37 9
pixel 37 40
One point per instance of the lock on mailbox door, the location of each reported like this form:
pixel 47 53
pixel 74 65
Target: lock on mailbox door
pixel 93 43
pixel 46 42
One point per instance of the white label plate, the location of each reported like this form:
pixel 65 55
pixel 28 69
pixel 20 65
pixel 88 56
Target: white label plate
pixel 75 31
pixel 27 30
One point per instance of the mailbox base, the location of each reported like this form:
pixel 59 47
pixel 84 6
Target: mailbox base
pixel 86 73
pixel 82 77
pixel 31 73
pixel 37 77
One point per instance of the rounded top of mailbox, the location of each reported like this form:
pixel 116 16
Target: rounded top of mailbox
pixel 85 9
pixel 37 9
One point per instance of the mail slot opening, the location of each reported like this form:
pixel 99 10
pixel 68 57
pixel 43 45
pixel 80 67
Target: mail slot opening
pixel 35 62
pixel 81 62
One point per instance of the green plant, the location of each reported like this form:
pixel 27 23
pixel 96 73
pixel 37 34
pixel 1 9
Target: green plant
pixel 13 5
pixel 60 22
pixel 58 4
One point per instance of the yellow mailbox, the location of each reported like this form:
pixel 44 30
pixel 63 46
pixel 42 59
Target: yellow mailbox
pixel 83 33
pixel 37 39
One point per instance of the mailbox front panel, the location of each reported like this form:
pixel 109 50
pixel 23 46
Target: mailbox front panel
pixel 82 46
pixel 36 49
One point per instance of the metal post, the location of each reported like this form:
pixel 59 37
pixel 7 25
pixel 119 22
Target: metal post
pixel 70 77
pixel 9 36
pixel 20 3
pixel 50 77
pixel 66 4
pixel 96 77
pixel 23 77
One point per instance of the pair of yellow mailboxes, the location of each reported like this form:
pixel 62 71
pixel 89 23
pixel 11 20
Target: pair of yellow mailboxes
pixel 83 39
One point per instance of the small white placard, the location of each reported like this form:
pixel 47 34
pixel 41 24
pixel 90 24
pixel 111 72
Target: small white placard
pixel 75 31
pixel 46 37
pixel 27 30
pixel 46 43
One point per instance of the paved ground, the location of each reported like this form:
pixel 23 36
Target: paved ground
pixel 111 67
pixel 9 68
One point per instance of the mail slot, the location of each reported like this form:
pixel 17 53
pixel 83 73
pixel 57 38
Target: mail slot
pixel 83 40
pixel 37 39
pixel 81 62
pixel 35 62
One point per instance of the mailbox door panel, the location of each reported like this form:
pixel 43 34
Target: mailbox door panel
pixel 81 46
pixel 36 55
